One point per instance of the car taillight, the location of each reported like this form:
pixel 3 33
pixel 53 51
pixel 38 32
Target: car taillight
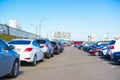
pixel 111 47
pixel 28 49
pixel 46 45
pixel 27 58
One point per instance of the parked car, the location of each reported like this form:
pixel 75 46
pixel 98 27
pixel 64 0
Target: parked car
pixel 56 47
pixel 116 56
pixel 9 60
pixel 87 45
pixel 104 50
pixel 61 46
pixel 28 49
pixel 97 49
pixel 80 46
pixel 111 48
pixel 76 43
pixel 46 47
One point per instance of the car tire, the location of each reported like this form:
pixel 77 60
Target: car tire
pixel 52 55
pixel 34 61
pixel 42 60
pixel 48 56
pixel 101 53
pixel 15 70
pixel 97 54
pixel 81 48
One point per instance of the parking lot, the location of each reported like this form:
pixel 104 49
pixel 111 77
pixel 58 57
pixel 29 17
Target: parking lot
pixel 72 64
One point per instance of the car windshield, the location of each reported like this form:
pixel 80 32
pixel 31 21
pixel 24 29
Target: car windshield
pixel 41 41
pixel 21 42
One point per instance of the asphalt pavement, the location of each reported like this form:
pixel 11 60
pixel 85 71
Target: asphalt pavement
pixel 71 64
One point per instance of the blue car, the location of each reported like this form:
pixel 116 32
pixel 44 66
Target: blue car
pixel 9 60
pixel 116 56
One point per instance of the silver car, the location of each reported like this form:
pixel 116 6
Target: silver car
pixel 9 60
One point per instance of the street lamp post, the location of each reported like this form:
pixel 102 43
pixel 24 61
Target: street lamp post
pixel 36 29
pixel 50 32
pixel 41 25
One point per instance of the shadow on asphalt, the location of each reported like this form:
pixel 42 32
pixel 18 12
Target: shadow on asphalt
pixel 115 63
pixel 110 61
pixel 105 58
pixel 26 64
pixel 8 78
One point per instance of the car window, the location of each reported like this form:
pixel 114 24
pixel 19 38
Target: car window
pixel 41 41
pixel 35 44
pixel 22 42
pixel 112 42
pixel 53 43
pixel 3 46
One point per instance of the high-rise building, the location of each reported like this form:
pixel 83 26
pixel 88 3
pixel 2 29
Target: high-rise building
pixel 14 24
pixel 61 35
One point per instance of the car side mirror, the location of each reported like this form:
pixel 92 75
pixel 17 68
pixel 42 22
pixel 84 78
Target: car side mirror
pixel 10 47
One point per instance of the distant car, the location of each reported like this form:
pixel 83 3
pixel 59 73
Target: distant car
pixel 56 47
pixel 29 50
pixel 61 46
pixel 80 46
pixel 76 43
pixel 87 45
pixel 97 49
pixel 46 47
pixel 9 60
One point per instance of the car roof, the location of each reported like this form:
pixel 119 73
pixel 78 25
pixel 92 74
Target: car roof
pixel 24 39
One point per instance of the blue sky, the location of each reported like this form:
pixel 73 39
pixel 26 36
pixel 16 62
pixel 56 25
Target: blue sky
pixel 80 17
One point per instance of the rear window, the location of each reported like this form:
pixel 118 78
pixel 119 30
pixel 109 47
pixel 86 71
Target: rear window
pixel 112 42
pixel 41 41
pixel 53 43
pixel 21 42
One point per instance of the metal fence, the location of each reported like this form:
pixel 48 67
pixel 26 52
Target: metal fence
pixel 5 29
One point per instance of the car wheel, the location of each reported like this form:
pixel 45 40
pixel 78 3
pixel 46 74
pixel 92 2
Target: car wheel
pixel 96 53
pixel 101 53
pixel 81 48
pixel 42 58
pixel 57 52
pixel 48 55
pixel 52 55
pixel 34 61
pixel 15 70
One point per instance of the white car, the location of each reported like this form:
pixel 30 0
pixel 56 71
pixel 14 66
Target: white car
pixel 28 49
pixel 113 47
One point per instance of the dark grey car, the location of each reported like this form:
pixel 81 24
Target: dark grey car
pixel 46 47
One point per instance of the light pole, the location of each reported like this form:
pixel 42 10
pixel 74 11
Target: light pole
pixel 36 29
pixel 41 25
